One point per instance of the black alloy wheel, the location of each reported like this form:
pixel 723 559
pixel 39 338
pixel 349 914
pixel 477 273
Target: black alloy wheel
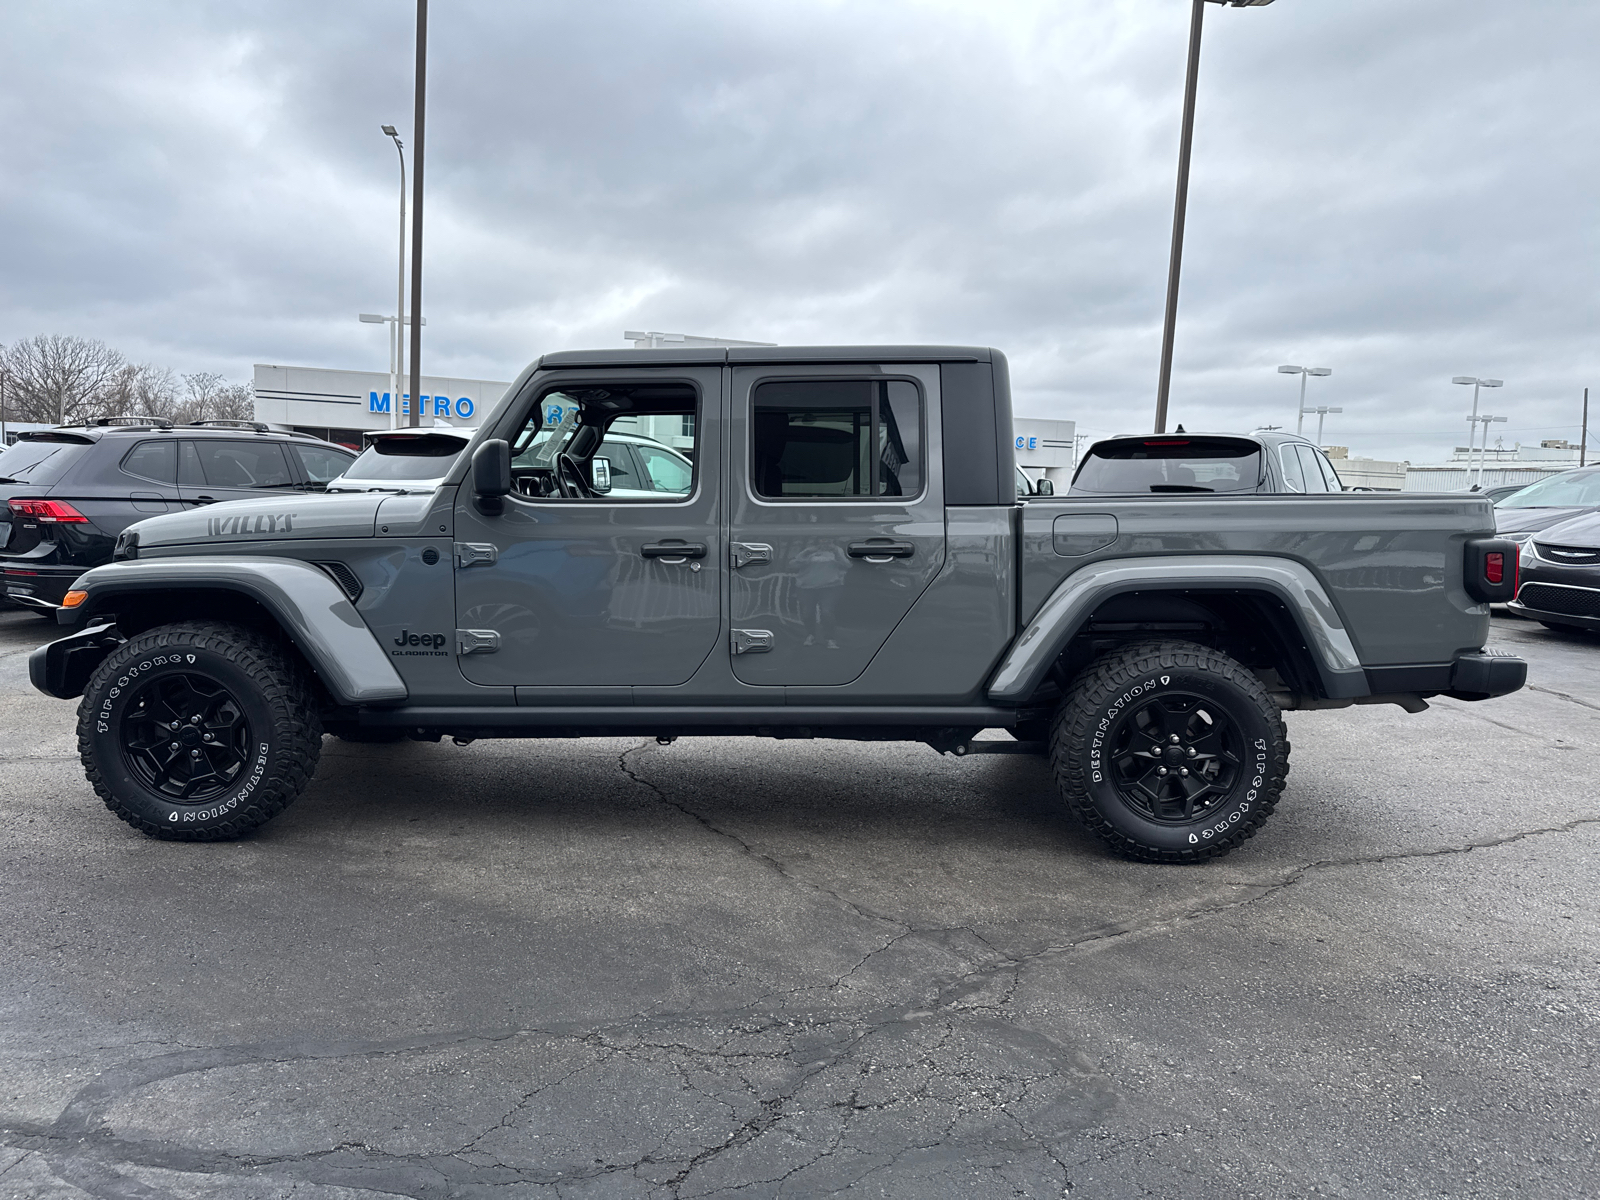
pixel 200 730
pixel 185 737
pixel 1169 751
pixel 1175 756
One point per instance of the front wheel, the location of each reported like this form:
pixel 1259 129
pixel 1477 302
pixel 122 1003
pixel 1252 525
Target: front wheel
pixel 1170 751
pixel 199 731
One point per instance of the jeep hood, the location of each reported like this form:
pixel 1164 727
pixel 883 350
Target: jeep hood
pixel 277 519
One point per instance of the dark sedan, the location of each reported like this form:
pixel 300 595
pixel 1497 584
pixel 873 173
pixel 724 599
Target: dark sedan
pixel 1548 502
pixel 1560 575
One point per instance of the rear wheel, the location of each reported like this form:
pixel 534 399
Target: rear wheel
pixel 1170 751
pixel 199 731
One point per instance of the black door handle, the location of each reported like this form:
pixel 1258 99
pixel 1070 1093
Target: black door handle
pixel 203 500
pixel 678 550
pixel 879 551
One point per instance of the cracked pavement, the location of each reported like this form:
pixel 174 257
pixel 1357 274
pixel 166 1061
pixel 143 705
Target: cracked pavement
pixel 743 968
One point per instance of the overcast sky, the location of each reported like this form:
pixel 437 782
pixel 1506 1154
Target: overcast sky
pixel 1402 190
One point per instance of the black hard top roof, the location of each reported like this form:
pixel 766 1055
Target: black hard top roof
pixel 691 355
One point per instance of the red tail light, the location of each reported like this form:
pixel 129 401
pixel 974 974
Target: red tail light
pixel 47 512
pixel 1494 567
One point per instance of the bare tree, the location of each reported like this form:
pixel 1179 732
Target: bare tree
pixel 140 389
pixel 59 380
pixel 210 397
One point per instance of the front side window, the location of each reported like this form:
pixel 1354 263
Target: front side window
pixel 836 439
pixel 554 456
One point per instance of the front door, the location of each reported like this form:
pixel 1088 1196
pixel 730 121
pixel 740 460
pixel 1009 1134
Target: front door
pixel 569 588
pixel 836 521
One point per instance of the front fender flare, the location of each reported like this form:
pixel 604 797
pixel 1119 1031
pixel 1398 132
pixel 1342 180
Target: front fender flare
pixel 306 603
pixel 1077 596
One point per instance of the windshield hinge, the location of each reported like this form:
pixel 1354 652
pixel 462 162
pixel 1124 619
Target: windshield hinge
pixel 469 554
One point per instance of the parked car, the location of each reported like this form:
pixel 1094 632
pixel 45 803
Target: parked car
pixel 1560 575
pixel 404 460
pixel 1547 503
pixel 1496 494
pixel 1205 463
pixel 68 492
pixel 627 466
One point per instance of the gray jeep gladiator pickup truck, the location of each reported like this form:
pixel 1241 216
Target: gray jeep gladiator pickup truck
pixel 850 560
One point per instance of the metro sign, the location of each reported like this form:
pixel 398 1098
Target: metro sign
pixel 443 406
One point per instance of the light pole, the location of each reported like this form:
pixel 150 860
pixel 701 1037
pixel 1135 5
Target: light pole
pixel 1181 204
pixel 1322 412
pixel 1300 417
pixel 397 356
pixel 1472 421
pixel 417 125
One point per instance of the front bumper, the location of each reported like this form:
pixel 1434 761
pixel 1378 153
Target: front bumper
pixel 1558 593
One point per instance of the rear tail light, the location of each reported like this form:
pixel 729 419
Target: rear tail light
pixel 1491 569
pixel 47 512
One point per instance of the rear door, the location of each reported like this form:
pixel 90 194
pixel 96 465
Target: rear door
pixel 836 521
pixel 211 470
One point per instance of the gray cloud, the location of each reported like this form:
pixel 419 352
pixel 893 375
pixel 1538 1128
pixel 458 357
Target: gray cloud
pixel 1400 192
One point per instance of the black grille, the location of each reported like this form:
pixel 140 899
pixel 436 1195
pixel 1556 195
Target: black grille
pixel 1572 556
pixel 344 577
pixel 1568 601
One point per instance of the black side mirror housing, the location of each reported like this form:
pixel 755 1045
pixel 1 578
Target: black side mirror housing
pixel 1044 488
pixel 491 474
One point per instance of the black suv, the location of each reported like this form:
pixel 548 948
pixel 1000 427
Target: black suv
pixel 66 493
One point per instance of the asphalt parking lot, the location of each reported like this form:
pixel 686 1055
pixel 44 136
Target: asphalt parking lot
pixel 739 967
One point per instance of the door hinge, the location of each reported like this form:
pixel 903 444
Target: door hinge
pixel 477 641
pixel 743 553
pixel 752 641
pixel 471 553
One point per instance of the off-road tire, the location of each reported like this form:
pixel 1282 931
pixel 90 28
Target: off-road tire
pixel 1100 719
pixel 276 725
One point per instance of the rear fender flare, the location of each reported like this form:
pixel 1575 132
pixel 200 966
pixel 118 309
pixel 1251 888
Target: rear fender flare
pixel 305 602
pixel 1066 610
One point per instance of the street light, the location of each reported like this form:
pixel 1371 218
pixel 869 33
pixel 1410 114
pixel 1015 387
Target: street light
pixel 1300 419
pixel 1181 204
pixel 1472 421
pixel 1321 413
pixel 397 351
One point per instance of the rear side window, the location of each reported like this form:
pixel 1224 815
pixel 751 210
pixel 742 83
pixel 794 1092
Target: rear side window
pixel 836 439
pixel 244 464
pixel 1128 466
pixel 39 461
pixel 154 461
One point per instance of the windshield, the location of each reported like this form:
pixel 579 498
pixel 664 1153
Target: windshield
pixel 1163 464
pixel 1573 489
pixel 403 460
pixel 31 461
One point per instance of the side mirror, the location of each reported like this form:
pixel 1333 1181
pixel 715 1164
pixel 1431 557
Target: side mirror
pixel 491 474
pixel 1044 488
pixel 600 474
